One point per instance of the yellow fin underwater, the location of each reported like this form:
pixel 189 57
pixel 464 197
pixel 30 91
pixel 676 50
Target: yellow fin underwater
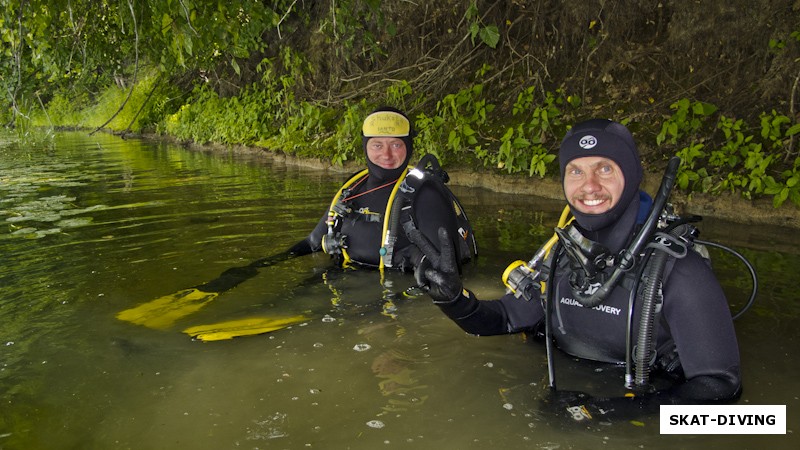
pixel 242 327
pixel 163 312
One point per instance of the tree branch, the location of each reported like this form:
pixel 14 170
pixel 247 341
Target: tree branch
pixel 135 70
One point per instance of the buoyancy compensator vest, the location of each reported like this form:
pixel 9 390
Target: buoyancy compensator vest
pixel 400 214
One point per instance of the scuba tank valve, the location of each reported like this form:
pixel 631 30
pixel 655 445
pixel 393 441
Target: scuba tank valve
pixel 334 241
pixel 521 277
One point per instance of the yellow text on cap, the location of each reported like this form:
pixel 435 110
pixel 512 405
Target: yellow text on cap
pixel 386 124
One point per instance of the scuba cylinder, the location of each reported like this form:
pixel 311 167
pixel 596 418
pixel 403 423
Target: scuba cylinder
pixel 427 170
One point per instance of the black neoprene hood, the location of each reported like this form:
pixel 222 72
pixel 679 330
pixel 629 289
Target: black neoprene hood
pixel 608 139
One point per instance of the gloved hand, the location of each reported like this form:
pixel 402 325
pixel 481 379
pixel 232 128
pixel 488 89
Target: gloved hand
pixel 437 272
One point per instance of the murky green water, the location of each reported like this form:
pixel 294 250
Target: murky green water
pixel 95 225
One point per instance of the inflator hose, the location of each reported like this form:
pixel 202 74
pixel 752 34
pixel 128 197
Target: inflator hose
pixel 651 293
pixel 628 256
pixel 548 320
pixel 629 377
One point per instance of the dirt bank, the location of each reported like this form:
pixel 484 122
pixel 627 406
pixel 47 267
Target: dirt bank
pixel 723 206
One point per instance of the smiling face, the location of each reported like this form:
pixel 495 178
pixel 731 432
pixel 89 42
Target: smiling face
pixel 386 152
pixel 593 184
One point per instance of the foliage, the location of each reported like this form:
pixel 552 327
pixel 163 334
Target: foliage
pixel 742 159
pixel 488 83
pixel 528 146
pixel 100 42
pixel 488 34
pixel 348 29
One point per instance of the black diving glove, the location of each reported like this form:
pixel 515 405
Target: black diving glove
pixel 301 248
pixel 437 272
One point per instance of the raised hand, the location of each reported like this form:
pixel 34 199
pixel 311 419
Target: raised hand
pixel 438 270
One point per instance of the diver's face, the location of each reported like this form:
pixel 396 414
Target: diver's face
pixel 593 184
pixel 386 152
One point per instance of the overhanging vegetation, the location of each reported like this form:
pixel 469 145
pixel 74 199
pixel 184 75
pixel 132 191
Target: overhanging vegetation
pixel 490 84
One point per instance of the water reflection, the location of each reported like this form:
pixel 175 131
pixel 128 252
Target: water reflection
pixel 96 225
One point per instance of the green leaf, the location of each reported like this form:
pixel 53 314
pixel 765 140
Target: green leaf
pixel 187 44
pixel 472 11
pixel 166 21
pixel 683 180
pixel 474 29
pixel 794 196
pixel 490 35
pixel 521 142
pixel 707 109
pixel 778 200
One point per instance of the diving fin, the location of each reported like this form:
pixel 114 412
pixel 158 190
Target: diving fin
pixel 242 327
pixel 163 312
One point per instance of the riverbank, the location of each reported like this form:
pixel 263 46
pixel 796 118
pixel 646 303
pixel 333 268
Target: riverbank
pixel 723 206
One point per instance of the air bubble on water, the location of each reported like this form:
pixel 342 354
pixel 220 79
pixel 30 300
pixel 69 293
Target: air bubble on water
pixel 327 318
pixel 508 406
pixel 268 428
pixel 318 345
pixel 361 347
pixel 375 424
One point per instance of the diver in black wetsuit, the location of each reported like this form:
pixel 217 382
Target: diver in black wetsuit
pixel 694 336
pixel 354 230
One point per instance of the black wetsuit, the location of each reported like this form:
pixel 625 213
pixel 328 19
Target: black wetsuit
pixel 430 210
pixel 695 320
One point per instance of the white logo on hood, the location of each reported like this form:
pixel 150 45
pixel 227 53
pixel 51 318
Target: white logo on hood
pixel 587 142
